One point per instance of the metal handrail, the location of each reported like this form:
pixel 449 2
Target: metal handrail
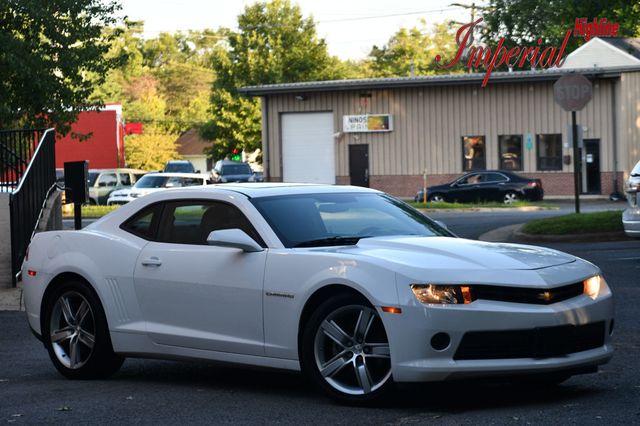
pixel 26 173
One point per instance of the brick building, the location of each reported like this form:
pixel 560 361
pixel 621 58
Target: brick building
pixel 386 133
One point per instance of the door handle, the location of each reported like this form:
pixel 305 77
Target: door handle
pixel 151 261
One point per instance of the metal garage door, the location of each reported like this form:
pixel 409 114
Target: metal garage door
pixel 308 148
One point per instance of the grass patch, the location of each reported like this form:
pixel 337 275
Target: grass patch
pixel 91 212
pixel 488 205
pixel 583 223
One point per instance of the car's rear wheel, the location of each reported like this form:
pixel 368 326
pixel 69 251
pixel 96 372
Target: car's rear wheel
pixel 510 197
pixel 345 350
pixel 76 335
pixel 436 198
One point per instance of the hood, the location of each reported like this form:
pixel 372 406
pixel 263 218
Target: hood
pixel 458 254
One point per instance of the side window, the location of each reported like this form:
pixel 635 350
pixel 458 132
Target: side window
pixel 125 179
pixel 472 179
pixel 144 223
pixel 191 181
pixel 108 179
pixel 191 222
pixel 495 177
pixel 173 182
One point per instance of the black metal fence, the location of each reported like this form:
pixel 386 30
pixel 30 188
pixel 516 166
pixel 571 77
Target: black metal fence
pixel 27 166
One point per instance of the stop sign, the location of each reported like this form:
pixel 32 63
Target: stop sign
pixel 572 92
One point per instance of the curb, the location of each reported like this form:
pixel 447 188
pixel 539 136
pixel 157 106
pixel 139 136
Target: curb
pixel 11 299
pixel 488 209
pixel 571 238
pixel 513 233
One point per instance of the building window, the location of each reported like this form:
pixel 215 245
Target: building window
pixel 510 148
pixel 473 149
pixel 549 150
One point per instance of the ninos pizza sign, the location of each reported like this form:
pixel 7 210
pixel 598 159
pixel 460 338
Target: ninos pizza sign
pixel 367 123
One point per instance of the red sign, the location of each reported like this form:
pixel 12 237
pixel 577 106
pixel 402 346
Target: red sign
pixel 133 128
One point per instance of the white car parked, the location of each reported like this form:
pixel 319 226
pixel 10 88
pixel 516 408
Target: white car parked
pixel 349 285
pixel 631 216
pixel 152 182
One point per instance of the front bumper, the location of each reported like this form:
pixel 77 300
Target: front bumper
pixel 414 359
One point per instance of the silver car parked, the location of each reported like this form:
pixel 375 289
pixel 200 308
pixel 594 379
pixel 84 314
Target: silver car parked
pixel 631 216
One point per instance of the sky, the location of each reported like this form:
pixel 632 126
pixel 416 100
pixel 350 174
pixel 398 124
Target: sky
pixel 350 27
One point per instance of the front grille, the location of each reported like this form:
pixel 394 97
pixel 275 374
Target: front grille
pixel 543 342
pixel 539 296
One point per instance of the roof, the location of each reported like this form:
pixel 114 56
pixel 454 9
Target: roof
pixel 177 174
pixel 431 80
pixel 630 45
pixel 190 143
pixel 268 189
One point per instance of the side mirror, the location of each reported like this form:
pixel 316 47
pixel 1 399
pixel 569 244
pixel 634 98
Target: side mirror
pixel 233 238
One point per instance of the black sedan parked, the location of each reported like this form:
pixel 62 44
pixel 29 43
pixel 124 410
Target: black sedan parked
pixel 490 185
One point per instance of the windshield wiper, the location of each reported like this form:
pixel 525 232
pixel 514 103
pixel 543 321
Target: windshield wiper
pixel 331 241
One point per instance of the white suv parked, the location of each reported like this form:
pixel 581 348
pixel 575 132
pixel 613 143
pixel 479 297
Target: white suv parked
pixel 152 182
pixel 631 216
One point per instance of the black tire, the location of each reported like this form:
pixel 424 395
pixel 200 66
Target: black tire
pixel 436 198
pixel 366 356
pixel 80 348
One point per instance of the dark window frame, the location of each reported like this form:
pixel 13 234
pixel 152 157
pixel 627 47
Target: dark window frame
pixel 501 152
pixel 473 160
pixel 558 157
pixel 155 221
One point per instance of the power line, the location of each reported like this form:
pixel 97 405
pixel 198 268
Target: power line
pixel 388 15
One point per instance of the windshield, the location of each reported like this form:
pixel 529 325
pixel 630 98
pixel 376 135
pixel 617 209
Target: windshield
pixel 236 169
pixel 636 170
pixel 92 178
pixel 308 220
pixel 179 168
pixel 151 181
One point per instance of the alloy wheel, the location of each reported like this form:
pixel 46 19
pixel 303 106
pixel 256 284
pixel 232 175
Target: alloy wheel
pixel 351 350
pixel 510 197
pixel 72 330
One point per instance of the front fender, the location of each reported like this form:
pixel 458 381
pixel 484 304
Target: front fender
pixel 292 277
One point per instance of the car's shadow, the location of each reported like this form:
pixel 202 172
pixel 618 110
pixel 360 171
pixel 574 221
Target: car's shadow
pixel 454 397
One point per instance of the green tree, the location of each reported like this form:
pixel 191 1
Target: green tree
pixel 150 150
pixel 411 51
pixel 524 21
pixel 165 80
pixel 274 44
pixel 49 48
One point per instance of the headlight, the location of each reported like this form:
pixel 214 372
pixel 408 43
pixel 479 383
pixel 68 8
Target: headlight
pixel 594 286
pixel 442 294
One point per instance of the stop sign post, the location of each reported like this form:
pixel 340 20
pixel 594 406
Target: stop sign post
pixel 572 92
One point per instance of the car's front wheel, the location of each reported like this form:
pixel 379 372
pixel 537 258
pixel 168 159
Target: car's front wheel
pixel 510 197
pixel 345 350
pixel 76 335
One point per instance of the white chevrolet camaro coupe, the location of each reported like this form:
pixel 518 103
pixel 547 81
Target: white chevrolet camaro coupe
pixel 349 285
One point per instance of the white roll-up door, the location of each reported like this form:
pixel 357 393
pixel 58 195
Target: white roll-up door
pixel 308 148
